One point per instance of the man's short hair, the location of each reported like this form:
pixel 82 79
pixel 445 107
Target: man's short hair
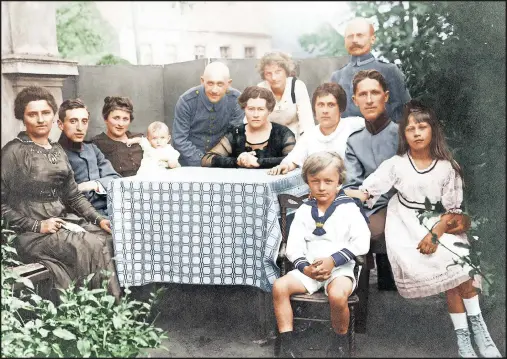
pixel 257 92
pixel 70 104
pixel 331 88
pixel 369 74
pixel 318 161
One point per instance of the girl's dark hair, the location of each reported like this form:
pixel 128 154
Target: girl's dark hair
pixel 70 104
pixel 29 94
pixel 257 92
pixel 330 88
pixel 112 103
pixel 438 145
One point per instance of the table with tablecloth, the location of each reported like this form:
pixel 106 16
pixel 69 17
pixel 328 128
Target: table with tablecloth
pixel 196 225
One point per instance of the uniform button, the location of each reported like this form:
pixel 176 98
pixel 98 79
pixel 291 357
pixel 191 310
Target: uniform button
pixel 197 92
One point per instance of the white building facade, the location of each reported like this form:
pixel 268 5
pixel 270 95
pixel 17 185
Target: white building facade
pixel 157 33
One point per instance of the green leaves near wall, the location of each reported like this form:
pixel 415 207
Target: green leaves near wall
pixel 78 29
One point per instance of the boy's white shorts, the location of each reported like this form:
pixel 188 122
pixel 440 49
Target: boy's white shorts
pixel 312 285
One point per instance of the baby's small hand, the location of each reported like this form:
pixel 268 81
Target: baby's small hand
pixel 130 141
pixel 174 164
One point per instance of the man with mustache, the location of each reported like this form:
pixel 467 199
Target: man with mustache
pixel 204 112
pixel 92 171
pixel 359 38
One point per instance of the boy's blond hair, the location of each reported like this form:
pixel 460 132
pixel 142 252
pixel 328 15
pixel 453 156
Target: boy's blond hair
pixel 157 126
pixel 319 161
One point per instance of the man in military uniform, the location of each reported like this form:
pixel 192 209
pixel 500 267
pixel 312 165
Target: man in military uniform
pixel 366 150
pixel 359 37
pixel 204 112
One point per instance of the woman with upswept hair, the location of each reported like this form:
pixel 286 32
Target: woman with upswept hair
pixel 292 107
pixel 118 113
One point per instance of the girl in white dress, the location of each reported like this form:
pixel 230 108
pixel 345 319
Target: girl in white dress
pixel 424 168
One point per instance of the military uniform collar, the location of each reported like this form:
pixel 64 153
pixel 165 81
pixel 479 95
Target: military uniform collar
pixel 212 107
pixel 362 60
pixel 378 125
pixel 68 144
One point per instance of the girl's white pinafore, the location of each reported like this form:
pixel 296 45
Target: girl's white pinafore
pixel 416 274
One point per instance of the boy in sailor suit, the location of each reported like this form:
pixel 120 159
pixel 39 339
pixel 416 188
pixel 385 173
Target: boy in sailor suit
pixel 327 233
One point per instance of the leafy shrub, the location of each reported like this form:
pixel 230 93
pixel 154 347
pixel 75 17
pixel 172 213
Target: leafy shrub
pixel 111 59
pixel 87 323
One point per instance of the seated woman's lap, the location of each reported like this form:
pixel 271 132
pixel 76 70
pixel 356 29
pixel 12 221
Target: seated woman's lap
pixel 68 255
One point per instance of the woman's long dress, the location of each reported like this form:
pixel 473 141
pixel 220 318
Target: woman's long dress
pixel 416 274
pixel 38 184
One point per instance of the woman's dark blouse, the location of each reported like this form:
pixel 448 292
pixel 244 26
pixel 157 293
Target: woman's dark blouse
pixel 38 184
pixel 225 153
pixel 125 160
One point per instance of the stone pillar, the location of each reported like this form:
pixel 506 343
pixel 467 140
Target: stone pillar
pixel 30 57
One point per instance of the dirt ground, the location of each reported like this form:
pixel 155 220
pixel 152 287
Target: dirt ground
pixel 221 321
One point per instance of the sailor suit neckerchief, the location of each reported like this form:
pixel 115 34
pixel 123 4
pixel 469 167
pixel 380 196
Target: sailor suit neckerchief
pixel 341 198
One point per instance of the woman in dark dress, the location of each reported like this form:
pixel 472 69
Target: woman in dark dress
pixel 256 144
pixel 39 191
pixel 118 113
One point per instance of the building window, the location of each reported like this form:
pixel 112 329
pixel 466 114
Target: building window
pixel 199 52
pixel 225 52
pixel 146 53
pixel 249 52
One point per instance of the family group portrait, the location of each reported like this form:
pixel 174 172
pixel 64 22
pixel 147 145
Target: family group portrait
pixel 253 179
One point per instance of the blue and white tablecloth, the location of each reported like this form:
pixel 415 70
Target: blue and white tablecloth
pixel 199 226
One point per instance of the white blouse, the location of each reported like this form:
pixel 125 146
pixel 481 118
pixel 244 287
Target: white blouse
pixel 315 141
pixel 299 116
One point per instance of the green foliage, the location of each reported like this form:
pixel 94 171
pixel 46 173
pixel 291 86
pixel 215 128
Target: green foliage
pixel 79 29
pixel 87 323
pixel 453 57
pixel 326 41
pixel 111 59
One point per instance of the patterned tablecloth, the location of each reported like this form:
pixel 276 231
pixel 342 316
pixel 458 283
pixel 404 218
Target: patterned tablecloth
pixel 199 226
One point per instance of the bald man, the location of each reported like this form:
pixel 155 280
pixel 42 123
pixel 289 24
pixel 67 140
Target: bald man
pixel 204 112
pixel 359 38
